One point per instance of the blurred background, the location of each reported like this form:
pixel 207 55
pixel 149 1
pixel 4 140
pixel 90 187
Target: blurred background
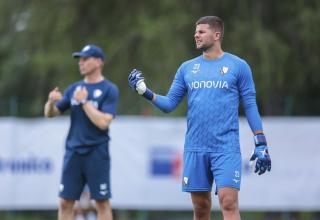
pixel 279 39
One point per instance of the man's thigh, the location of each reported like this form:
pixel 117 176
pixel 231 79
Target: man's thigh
pixel 226 169
pixel 72 181
pixel 97 172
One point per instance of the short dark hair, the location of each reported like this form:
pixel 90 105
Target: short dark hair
pixel 214 22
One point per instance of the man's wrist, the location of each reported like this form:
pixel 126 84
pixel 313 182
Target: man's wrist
pixel 260 139
pixel 148 94
pixel 51 103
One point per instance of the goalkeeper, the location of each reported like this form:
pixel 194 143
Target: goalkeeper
pixel 214 83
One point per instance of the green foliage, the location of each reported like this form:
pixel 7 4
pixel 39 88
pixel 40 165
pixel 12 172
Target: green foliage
pixel 159 215
pixel 279 39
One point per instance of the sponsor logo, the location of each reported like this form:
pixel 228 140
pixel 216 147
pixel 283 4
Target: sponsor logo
pixel 219 84
pixel 73 100
pixel 94 103
pixel 26 165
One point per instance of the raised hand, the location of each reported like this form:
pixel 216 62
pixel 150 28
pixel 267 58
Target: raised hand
pixel 81 95
pixel 136 82
pixel 55 95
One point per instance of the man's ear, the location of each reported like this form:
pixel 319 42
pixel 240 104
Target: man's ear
pixel 217 35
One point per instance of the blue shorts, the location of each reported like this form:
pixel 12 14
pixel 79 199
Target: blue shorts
pixel 202 168
pixel 91 168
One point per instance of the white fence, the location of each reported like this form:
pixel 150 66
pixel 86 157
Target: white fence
pixel 146 164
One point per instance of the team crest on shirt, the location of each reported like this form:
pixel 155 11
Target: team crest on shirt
pixel 196 67
pixel 224 70
pixel 97 93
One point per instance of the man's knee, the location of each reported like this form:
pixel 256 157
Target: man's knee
pixel 228 203
pixel 66 204
pixel 202 207
pixel 102 205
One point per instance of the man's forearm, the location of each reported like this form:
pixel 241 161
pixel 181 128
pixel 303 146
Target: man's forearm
pixel 100 119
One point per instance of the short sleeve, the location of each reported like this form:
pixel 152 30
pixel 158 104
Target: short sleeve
pixel 110 102
pixel 64 103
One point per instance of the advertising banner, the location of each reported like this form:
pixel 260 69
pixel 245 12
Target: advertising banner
pixel 146 164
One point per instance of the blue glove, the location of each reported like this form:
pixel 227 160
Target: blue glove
pixel 261 153
pixel 136 82
pixel 134 77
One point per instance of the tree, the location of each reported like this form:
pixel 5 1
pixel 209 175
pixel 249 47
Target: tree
pixel 278 39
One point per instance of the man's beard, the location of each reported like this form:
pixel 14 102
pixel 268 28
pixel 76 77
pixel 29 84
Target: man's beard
pixel 204 48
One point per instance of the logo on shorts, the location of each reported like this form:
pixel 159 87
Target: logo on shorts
pixel 185 181
pixel 103 189
pixel 103 186
pixel 103 192
pixel 236 181
pixel 237 177
pixel 61 187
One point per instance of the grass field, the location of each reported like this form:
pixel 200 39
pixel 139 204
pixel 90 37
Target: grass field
pixel 163 215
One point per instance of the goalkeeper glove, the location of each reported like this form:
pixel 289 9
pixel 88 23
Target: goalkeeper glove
pixel 136 82
pixel 261 153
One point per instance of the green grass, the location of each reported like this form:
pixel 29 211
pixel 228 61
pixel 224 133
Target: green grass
pixel 164 215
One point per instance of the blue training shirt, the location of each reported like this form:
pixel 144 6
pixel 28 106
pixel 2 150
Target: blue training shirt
pixel 82 132
pixel 214 89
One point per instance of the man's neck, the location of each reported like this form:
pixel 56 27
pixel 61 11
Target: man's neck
pixel 94 78
pixel 213 53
